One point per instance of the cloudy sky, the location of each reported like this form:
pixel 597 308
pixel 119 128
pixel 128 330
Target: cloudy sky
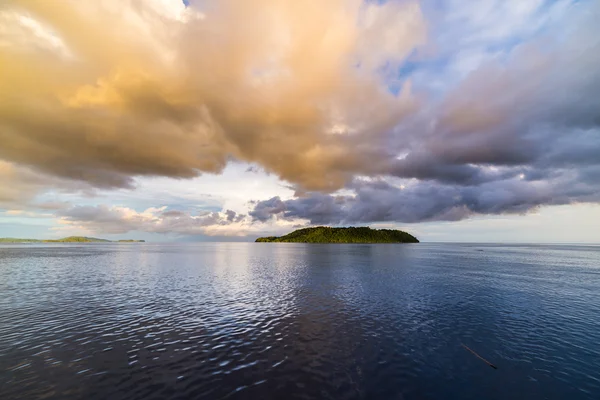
pixel 456 120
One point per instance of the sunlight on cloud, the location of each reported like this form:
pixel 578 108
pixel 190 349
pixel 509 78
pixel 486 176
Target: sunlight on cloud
pixel 21 33
pixel 170 90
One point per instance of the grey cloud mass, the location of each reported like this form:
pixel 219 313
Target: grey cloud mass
pixel 379 201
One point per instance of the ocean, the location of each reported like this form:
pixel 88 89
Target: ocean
pixel 299 321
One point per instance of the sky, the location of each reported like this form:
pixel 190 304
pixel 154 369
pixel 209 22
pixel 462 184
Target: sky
pixel 227 120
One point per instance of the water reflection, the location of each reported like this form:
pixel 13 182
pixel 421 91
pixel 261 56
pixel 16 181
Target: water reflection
pixel 240 320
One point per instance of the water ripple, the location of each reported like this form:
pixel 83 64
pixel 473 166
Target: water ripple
pixel 299 321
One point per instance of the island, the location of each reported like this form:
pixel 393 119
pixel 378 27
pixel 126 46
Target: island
pixel 325 234
pixel 70 239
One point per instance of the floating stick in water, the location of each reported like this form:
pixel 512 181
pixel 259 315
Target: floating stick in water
pixel 481 358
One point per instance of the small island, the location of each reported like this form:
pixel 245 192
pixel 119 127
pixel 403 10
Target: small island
pixel 324 234
pixel 70 239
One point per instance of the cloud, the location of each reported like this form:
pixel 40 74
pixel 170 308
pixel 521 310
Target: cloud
pixel 28 214
pixel 379 201
pixel 263 210
pixel 119 220
pixel 175 91
pixel 19 187
pixel 16 184
pixel 341 108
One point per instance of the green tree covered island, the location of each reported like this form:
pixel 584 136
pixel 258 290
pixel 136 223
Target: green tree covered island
pixel 70 239
pixel 324 234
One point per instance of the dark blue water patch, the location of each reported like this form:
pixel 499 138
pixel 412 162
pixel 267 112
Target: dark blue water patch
pixel 277 320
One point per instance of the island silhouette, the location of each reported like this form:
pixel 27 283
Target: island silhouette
pixel 325 234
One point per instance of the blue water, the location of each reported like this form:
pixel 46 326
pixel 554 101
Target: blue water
pixel 279 320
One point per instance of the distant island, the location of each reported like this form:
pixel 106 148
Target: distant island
pixel 70 239
pixel 324 234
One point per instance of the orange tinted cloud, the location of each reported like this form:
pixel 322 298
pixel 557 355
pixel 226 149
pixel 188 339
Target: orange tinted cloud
pixel 104 91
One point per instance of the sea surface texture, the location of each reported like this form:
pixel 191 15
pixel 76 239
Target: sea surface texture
pixel 299 321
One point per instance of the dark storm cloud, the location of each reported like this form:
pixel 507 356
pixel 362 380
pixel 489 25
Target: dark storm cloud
pixel 263 210
pixel 535 113
pixel 431 201
pixel 232 216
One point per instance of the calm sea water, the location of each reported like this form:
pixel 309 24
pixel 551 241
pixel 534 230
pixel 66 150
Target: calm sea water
pixel 274 321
